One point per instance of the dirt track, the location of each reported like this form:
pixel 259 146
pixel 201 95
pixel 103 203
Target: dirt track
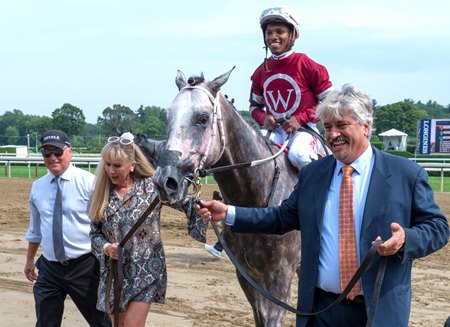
pixel 203 291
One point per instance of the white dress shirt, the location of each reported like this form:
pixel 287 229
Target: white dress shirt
pixel 329 276
pixel 76 186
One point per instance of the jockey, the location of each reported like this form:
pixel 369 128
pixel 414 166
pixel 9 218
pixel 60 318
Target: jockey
pixel 288 85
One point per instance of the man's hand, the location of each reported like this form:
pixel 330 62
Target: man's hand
pixel 392 245
pixel 291 125
pixel 30 272
pixel 270 123
pixel 212 210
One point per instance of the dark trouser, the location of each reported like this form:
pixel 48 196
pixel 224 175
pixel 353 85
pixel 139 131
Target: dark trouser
pixel 79 279
pixel 347 313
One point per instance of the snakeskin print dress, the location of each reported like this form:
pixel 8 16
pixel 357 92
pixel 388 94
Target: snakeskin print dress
pixel 144 267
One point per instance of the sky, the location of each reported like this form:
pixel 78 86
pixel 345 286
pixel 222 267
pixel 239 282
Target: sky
pixel 94 54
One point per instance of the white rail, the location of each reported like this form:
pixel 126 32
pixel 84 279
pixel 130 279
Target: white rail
pixel 433 166
pixel 38 161
pixel 442 167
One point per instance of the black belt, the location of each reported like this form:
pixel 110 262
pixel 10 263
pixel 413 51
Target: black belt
pixel 358 299
pixel 70 262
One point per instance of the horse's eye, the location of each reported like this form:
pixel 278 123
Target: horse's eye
pixel 202 119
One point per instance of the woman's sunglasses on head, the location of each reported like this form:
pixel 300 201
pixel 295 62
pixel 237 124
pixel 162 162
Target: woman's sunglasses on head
pixel 121 140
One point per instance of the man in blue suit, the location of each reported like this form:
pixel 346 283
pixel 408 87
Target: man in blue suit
pixel 392 200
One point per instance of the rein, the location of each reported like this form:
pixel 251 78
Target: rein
pixel 358 274
pixel 307 129
pixel 202 172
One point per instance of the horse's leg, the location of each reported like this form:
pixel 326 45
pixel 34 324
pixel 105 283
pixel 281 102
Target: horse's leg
pixel 265 313
pixel 278 283
pixel 272 262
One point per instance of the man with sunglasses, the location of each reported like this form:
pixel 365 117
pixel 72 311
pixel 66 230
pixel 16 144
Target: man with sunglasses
pixel 66 266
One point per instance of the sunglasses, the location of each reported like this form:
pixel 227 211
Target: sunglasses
pixel 121 140
pixel 47 153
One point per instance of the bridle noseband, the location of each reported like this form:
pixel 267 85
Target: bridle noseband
pixel 216 121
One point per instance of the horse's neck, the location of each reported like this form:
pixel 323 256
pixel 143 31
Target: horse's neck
pixel 243 143
pixel 250 186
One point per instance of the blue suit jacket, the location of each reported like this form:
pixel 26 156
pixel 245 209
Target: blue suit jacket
pixel 398 192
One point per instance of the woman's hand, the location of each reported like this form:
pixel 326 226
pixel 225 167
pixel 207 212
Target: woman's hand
pixel 111 250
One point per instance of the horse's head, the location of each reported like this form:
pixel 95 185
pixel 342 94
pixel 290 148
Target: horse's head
pixel 195 135
pixel 151 148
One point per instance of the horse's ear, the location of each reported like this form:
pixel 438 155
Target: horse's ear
pixel 180 80
pixel 217 83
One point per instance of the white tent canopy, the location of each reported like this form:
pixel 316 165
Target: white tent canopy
pixel 394 140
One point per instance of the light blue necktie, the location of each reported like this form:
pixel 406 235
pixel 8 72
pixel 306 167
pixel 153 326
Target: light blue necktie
pixel 58 243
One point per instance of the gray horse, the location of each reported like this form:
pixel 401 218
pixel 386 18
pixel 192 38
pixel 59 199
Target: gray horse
pixel 204 131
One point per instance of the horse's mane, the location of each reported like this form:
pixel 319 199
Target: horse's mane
pixel 196 80
pixel 253 124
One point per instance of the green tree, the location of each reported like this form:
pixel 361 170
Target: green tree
pixel 12 134
pixel 117 120
pixel 69 118
pixel 375 105
pixel 153 122
pixel 151 111
pixel 14 118
pixel 96 143
pixel 433 109
pixel 153 127
pixel 77 141
pixel 402 116
pixel 36 126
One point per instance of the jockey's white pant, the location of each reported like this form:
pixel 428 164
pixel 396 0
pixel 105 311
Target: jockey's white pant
pixel 303 147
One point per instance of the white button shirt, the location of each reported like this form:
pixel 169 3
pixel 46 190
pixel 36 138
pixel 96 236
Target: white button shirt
pixel 76 186
pixel 329 275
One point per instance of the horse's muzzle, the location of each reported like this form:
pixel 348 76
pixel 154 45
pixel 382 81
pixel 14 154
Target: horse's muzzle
pixel 172 187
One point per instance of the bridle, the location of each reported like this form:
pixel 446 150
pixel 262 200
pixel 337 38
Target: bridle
pixel 217 120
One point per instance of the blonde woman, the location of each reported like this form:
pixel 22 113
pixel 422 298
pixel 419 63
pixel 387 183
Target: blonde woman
pixel 123 191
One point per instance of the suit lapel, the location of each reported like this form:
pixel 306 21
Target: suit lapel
pixel 322 186
pixel 378 192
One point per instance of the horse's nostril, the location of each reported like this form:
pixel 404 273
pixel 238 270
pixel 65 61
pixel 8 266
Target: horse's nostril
pixel 171 185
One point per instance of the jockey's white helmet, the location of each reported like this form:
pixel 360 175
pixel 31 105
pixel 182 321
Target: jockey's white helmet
pixel 280 15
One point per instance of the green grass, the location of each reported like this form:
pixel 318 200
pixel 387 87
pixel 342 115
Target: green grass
pixel 36 171
pixel 32 171
pixel 435 183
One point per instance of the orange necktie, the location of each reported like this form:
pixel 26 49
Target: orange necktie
pixel 348 261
